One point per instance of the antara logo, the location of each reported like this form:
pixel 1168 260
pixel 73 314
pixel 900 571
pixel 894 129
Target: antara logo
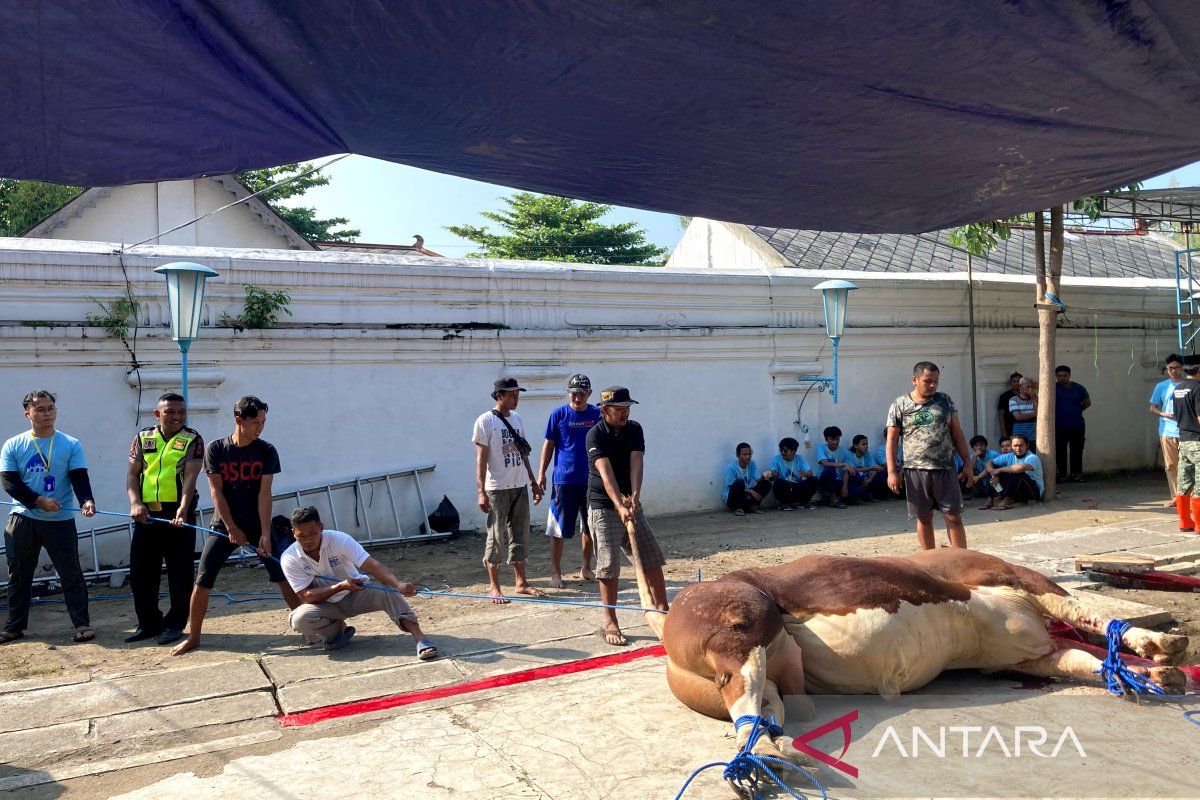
pixel 975 741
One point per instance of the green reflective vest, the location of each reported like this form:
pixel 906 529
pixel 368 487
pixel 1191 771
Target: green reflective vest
pixel 161 473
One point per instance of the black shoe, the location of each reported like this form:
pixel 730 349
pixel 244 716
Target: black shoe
pixel 141 635
pixel 169 636
pixel 341 640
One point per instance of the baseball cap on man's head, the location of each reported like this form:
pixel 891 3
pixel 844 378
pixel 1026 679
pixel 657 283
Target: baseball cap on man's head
pixel 616 396
pixel 579 383
pixel 506 385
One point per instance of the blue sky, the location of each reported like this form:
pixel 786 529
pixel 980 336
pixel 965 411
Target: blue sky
pixel 390 203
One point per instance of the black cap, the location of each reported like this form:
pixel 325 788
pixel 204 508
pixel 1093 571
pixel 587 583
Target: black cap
pixel 616 396
pixel 1191 361
pixel 579 383
pixel 506 385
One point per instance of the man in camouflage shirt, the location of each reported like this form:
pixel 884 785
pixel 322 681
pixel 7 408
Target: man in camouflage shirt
pixel 927 421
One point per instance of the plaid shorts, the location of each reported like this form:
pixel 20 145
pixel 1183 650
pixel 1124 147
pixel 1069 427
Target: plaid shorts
pixel 610 537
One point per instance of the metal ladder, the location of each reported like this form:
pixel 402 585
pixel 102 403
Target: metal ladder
pixel 362 529
pixel 1185 300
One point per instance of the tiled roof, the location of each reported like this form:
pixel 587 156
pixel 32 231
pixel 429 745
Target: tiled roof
pixel 1090 255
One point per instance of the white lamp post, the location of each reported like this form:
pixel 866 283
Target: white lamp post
pixel 185 298
pixel 834 295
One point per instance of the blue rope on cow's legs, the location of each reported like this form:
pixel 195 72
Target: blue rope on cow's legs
pixel 746 770
pixel 1118 678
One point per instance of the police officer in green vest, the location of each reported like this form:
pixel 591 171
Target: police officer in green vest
pixel 164 463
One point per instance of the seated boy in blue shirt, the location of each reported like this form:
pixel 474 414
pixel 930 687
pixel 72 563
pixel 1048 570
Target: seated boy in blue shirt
pixel 831 472
pixel 1019 474
pixel 745 486
pixel 794 482
pixel 980 456
pixel 868 480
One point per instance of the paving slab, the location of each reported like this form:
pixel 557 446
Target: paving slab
pixel 318 692
pixel 1184 550
pixel 1139 614
pixel 39 747
pixel 1089 544
pixel 1181 568
pixel 41 682
pixel 165 720
pixel 98 698
pixel 55 774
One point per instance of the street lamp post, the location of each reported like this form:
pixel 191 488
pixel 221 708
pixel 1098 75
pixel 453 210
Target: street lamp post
pixel 185 298
pixel 834 295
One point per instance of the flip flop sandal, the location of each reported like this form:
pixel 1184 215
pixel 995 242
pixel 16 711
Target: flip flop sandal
pixel 11 636
pixel 83 635
pixel 426 651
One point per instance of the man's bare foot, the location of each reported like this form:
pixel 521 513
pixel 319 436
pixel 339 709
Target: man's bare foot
pixel 556 582
pixel 497 596
pixel 525 588
pixel 184 646
pixel 613 636
pixel 587 575
pixel 1004 505
pixel 986 505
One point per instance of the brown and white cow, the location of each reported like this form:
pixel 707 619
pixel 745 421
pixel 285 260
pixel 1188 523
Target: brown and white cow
pixel 839 625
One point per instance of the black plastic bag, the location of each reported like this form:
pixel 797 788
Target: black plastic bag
pixel 444 519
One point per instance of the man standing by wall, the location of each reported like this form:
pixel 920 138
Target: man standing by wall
pixel 1004 417
pixel 41 470
pixel 1187 414
pixel 927 421
pixel 616 450
pixel 1023 407
pixel 164 462
pixel 501 472
pixel 566 443
pixel 1070 401
pixel 1162 405
pixel 241 470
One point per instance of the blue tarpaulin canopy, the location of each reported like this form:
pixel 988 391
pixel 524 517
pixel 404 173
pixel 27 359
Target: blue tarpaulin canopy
pixel 876 116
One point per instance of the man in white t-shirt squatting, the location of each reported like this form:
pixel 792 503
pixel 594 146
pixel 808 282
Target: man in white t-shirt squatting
pixel 327 604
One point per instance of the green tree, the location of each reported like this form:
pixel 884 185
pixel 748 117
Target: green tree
pixel 548 228
pixel 302 218
pixel 24 204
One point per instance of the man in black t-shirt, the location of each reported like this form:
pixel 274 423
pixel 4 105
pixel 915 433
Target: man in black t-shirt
pixel 1187 414
pixel 241 469
pixel 615 448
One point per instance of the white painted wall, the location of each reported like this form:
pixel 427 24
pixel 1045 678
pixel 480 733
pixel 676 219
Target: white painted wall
pixel 713 357
pixel 140 211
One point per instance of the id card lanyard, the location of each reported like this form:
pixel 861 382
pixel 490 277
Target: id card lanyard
pixel 48 479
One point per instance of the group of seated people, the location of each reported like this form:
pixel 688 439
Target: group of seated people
pixel 859 475
pixel 1004 478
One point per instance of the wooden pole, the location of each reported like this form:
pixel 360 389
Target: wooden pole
pixel 1048 277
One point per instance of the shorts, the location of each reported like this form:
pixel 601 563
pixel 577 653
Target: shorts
pixel 217 550
pixel 927 489
pixel 507 526
pixel 568 504
pixel 610 537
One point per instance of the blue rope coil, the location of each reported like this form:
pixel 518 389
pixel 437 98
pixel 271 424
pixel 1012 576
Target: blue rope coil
pixel 745 770
pixel 1118 678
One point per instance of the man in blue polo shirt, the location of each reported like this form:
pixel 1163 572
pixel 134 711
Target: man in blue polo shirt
pixel 43 469
pixel 1019 474
pixel 566 443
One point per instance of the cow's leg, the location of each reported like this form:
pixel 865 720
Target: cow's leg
pixel 1080 665
pixel 1163 648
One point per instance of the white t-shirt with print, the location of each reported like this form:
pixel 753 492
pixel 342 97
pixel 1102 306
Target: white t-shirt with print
pixel 506 468
pixel 341 557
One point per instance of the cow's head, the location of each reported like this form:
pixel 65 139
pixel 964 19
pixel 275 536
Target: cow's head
pixel 719 631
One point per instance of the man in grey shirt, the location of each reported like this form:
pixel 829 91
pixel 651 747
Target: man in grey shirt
pixel 927 421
